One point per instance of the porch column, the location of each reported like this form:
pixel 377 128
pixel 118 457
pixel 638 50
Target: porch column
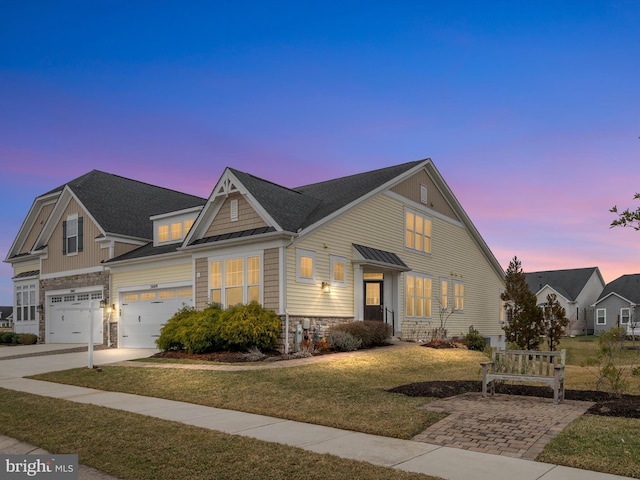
pixel 358 293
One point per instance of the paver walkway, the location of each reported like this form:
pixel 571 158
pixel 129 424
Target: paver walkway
pixel 510 425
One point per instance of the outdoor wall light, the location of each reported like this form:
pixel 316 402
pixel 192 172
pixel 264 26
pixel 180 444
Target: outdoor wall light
pixel 326 287
pixel 103 303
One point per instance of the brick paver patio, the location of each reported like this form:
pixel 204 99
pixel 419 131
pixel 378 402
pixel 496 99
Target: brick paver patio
pixel 511 425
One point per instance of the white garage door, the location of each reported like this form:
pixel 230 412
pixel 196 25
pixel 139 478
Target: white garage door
pixel 68 318
pixel 144 313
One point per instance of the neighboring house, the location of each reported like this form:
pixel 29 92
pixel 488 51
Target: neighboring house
pixel 576 290
pixel 392 245
pixel 617 305
pixel 6 317
pixel 57 257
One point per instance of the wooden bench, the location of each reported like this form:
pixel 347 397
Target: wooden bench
pixel 526 366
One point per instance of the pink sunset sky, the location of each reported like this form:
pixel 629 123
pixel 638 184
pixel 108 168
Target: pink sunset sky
pixel 530 110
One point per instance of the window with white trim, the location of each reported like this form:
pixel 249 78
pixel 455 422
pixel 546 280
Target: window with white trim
pixel 176 231
pixel 418 296
pixel 305 266
pixel 458 295
pixel 25 302
pixel 72 235
pixel 163 233
pixel 417 232
pixel 236 280
pixel 338 270
pixel 601 316
pixel 444 293
pixel 625 315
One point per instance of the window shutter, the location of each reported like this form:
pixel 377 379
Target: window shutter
pixel 80 234
pixel 64 237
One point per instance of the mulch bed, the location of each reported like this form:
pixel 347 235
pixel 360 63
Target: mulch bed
pixel 223 357
pixel 625 406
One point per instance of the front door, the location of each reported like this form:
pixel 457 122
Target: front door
pixel 373 309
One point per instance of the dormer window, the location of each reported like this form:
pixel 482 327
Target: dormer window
pixel 163 233
pixel 173 227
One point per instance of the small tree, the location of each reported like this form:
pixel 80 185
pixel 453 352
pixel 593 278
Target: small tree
pixel 627 218
pixel 555 320
pixel 445 310
pixel 524 325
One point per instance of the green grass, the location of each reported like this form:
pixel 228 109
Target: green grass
pixel 132 446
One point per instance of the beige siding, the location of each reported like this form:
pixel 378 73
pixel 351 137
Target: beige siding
pixel 271 284
pixel 122 248
pixel 91 255
pixel 145 277
pixel 19 268
pixel 410 189
pixel 36 229
pixel 202 283
pixel 379 223
pixel 247 218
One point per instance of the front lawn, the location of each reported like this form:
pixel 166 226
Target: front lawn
pixel 132 446
pixel 351 394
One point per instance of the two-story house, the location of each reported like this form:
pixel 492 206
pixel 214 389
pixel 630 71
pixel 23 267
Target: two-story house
pixel 392 245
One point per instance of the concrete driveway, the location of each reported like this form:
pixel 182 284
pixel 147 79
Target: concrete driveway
pixel 24 360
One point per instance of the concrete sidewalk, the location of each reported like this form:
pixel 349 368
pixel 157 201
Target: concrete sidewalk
pixel 445 462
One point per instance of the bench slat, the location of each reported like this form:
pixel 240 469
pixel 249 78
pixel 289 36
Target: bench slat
pixel 526 366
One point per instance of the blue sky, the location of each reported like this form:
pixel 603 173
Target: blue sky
pixel 530 110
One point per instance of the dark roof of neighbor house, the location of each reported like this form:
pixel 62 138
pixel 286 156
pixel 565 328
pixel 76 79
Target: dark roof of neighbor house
pixel 123 206
pixel 626 286
pixel 297 208
pixel 5 312
pixel 568 283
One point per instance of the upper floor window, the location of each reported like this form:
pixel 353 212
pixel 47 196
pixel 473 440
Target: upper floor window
pixel 601 316
pixel 306 266
pixel 417 232
pixel 174 231
pixel 72 235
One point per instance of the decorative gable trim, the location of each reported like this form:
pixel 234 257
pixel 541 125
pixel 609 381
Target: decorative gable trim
pixel 227 185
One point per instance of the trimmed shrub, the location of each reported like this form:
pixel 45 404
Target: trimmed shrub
pixel 474 340
pixel 9 338
pixel 343 341
pixel 27 338
pixel 191 330
pixel 370 333
pixel 245 326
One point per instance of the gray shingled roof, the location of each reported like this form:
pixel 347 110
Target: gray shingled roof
pixel 289 208
pixel 300 207
pixel 627 286
pixel 568 283
pixel 5 312
pixel 123 206
pixel 337 193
